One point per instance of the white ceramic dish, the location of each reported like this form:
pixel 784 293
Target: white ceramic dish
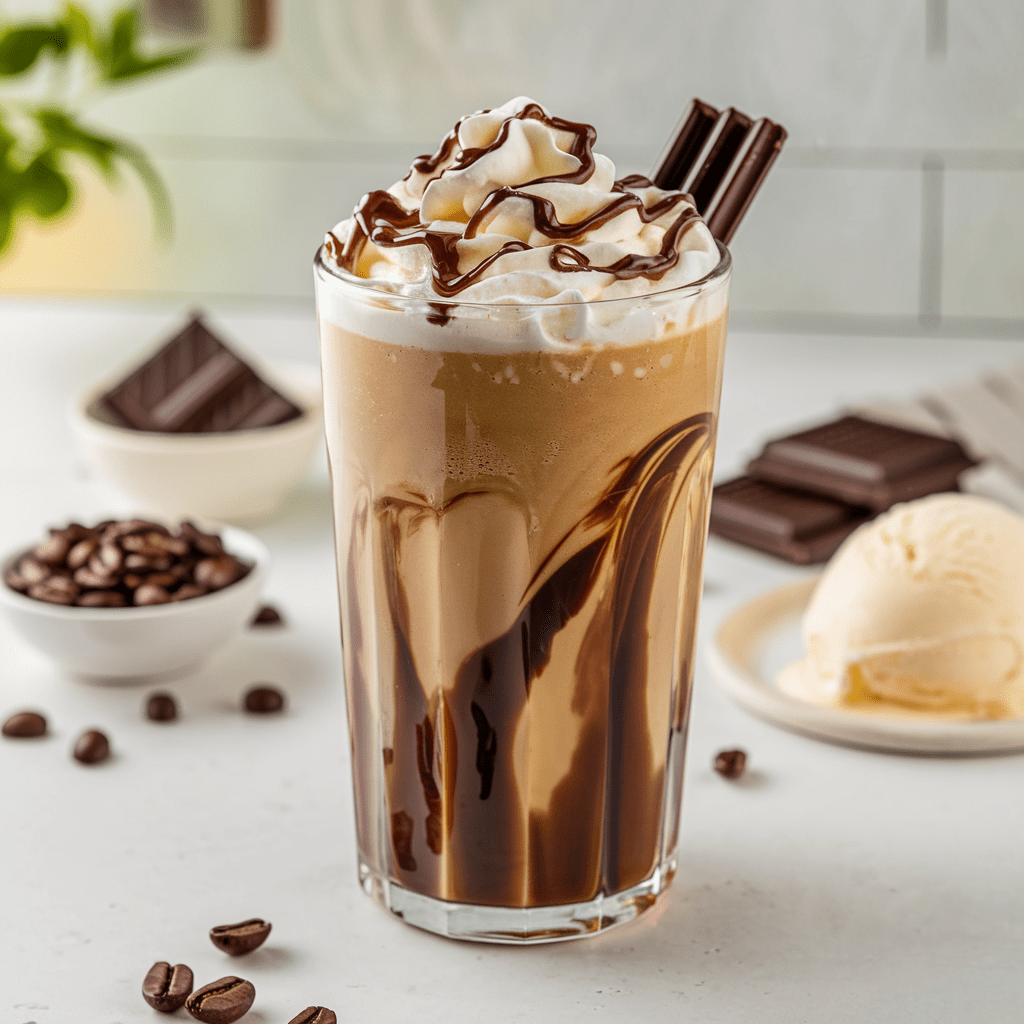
pixel 761 636
pixel 129 645
pixel 234 476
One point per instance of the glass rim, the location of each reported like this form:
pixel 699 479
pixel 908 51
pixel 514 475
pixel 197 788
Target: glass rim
pixel 718 273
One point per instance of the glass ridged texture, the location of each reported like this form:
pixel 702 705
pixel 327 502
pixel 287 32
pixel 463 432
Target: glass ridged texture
pixel 520 539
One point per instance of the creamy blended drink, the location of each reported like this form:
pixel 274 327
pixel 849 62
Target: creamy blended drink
pixel 522 359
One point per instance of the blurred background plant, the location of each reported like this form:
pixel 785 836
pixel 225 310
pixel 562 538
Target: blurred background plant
pixel 49 73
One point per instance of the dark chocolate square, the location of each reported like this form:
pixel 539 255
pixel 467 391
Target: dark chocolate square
pixel 196 384
pixel 799 527
pixel 862 462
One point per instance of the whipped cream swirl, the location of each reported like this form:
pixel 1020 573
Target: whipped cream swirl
pixel 516 207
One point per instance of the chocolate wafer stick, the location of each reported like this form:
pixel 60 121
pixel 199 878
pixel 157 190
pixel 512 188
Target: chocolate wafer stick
pixel 683 148
pixel 715 157
pixel 720 158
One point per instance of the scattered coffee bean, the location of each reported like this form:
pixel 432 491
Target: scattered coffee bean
pixel 315 1015
pixel 264 700
pixel 240 938
pixel 731 763
pixel 140 562
pixel 92 747
pixel 222 1001
pixel 25 725
pixel 268 615
pixel 166 988
pixel 161 707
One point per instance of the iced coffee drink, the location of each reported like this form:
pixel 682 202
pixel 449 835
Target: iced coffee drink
pixel 522 359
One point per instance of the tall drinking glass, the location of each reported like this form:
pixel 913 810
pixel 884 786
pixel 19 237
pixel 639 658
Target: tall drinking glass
pixel 520 533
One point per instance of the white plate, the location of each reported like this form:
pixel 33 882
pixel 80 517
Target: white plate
pixel 761 636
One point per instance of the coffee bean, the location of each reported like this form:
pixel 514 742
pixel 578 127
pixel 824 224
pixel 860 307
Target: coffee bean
pixel 101 599
pixel 731 763
pixel 54 591
pixel 150 593
pixel 161 707
pixel 166 988
pixel 159 562
pixel 207 543
pixel 217 573
pixel 268 615
pixel 222 1001
pixel 54 550
pixel 80 553
pixel 15 580
pixel 240 938
pixel 138 560
pixel 32 570
pixel 92 747
pixel 85 577
pixel 315 1015
pixel 24 725
pixel 264 700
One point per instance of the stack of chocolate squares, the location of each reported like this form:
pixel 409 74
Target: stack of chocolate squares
pixel 806 492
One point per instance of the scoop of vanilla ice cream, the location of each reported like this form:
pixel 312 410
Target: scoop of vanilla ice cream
pixel 921 609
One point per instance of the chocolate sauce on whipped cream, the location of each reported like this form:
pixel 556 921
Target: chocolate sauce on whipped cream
pixel 381 218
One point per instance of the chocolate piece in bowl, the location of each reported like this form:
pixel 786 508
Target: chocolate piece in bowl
pixel 799 527
pixel 196 384
pixel 862 462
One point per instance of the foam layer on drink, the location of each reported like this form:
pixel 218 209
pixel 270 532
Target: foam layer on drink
pixel 520 539
pixel 515 208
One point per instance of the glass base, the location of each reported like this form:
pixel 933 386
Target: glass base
pixel 512 925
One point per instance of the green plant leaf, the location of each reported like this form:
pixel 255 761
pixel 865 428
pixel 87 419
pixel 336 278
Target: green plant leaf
pixel 78 26
pixel 6 223
pixel 62 132
pixel 159 197
pixel 121 55
pixel 20 47
pixel 45 190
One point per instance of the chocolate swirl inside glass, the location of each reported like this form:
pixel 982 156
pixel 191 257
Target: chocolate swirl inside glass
pixel 520 534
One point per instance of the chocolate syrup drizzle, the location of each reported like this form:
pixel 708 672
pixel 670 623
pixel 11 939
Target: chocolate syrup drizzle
pixel 451 787
pixel 382 220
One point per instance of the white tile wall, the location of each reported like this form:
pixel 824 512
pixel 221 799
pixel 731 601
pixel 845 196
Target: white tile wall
pixel 827 240
pixel 264 151
pixel 983 247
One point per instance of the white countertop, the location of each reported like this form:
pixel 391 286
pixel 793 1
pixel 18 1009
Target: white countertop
pixel 831 884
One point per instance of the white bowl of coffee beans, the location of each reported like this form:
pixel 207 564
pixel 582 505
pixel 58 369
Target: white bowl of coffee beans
pixel 133 600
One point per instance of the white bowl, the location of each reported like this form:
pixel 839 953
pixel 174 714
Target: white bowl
pixel 235 476
pixel 147 643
